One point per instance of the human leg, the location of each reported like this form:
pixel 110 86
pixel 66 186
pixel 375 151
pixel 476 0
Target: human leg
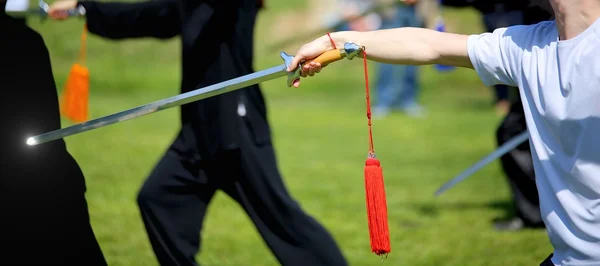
pixel 518 168
pixel 254 181
pixel 173 202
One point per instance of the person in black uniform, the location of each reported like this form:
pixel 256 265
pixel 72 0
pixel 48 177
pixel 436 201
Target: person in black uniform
pixel 517 164
pixel 225 141
pixel 44 214
pixel 497 14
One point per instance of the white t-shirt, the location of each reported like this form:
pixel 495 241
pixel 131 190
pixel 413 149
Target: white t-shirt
pixel 559 84
pixel 17 5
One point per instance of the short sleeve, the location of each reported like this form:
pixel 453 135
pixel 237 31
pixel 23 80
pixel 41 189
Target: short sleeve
pixel 495 56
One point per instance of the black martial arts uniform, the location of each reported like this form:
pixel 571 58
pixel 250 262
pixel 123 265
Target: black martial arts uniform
pixel 517 164
pixel 518 168
pixel 224 142
pixel 43 212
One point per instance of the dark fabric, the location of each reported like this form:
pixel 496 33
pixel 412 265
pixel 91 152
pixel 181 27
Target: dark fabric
pixel 42 204
pixel 217 45
pixel 548 261
pixel 534 15
pixel 518 164
pixel 174 200
pixel 488 6
pixel 518 167
pixel 218 147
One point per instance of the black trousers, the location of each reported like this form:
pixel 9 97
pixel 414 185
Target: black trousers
pixel 174 199
pixel 44 215
pixel 548 261
pixel 518 167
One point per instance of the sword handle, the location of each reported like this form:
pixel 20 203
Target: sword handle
pixel 327 57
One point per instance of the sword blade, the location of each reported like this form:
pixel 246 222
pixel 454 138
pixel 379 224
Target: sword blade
pixel 181 99
pixel 505 148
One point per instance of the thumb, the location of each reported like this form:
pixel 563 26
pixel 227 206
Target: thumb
pixel 295 62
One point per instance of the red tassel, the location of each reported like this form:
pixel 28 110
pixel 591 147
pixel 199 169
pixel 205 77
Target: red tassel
pixel 376 207
pixel 374 188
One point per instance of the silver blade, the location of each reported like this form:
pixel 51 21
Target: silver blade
pixel 181 99
pixel 505 148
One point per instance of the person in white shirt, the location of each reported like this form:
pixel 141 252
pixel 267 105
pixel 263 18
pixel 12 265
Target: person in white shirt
pixel 556 65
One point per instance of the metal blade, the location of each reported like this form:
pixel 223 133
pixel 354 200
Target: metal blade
pixel 505 148
pixel 195 95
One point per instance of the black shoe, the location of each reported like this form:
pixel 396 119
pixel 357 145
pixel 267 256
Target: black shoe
pixel 514 224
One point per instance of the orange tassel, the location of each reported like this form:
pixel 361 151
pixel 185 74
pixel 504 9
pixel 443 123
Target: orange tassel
pixel 76 92
pixel 376 207
pixel 75 97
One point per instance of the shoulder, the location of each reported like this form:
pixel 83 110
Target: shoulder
pixel 519 37
pixel 525 37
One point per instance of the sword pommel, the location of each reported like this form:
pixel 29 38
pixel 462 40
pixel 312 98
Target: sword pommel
pixel 350 51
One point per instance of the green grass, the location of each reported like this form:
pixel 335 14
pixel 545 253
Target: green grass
pixel 321 153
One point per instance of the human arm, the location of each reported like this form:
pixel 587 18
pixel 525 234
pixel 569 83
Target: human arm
pixel 409 46
pixel 495 56
pixel 119 20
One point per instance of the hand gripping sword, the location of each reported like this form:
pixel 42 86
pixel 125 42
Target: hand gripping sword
pixel 42 11
pixel 349 51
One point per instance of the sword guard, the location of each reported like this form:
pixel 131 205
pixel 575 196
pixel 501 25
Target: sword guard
pixel 291 76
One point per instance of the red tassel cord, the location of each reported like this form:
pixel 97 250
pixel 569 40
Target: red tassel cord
pixel 374 185
pixel 375 189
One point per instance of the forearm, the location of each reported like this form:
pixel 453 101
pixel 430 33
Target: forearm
pixel 409 46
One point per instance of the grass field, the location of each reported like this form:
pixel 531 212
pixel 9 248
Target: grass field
pixel 321 152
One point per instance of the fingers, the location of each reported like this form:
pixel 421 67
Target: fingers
pixel 58 14
pixel 310 69
pixel 60 9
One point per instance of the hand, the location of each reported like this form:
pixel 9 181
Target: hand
pixel 60 9
pixel 309 51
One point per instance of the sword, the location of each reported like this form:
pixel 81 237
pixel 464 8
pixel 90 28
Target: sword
pixel 505 148
pixel 349 51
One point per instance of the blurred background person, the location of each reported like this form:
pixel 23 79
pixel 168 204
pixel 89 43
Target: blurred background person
pixel 224 143
pixel 497 14
pixel 517 165
pixel 397 86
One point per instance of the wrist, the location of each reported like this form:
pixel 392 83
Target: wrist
pixel 341 38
